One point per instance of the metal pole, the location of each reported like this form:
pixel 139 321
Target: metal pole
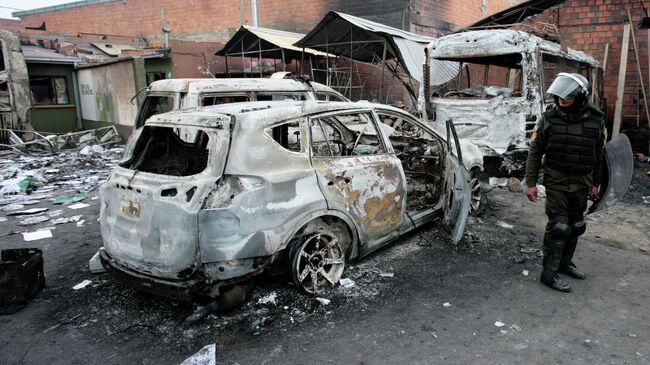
pixel 243 63
pixel 383 64
pixel 259 57
pixel 227 69
pixel 302 61
pixel 254 9
pixel 284 62
pixel 327 58
pixel 350 76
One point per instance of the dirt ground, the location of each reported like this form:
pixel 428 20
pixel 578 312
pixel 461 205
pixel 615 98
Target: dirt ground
pixel 421 300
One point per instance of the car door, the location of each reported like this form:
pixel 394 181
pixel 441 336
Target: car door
pixel 358 174
pixel 457 186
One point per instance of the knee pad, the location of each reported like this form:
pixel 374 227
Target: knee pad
pixel 561 228
pixel 578 228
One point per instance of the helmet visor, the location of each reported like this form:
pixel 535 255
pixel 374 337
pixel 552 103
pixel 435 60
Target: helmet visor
pixel 564 87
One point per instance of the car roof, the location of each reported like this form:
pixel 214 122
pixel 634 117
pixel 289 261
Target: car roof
pixel 236 85
pixel 264 113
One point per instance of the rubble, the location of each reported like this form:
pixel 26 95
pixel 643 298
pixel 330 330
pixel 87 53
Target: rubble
pixel 82 284
pixel 37 235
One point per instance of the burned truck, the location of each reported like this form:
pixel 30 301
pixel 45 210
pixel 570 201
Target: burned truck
pixel 497 90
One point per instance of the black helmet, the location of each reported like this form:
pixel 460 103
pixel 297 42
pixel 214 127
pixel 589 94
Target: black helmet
pixel 570 86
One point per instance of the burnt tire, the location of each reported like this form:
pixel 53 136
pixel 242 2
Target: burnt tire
pixel 317 261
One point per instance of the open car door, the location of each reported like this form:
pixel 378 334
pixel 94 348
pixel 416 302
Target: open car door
pixel 617 173
pixel 457 186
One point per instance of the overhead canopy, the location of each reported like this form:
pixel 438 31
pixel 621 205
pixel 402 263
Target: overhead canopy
pixel 270 43
pixel 365 41
pixel 516 13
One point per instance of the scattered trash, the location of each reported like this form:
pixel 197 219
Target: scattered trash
pixel 646 199
pixel 505 225
pixel 446 305
pixel 268 299
pixel 518 259
pixel 498 181
pixel 499 324
pixel 66 199
pixel 34 220
pixel 12 207
pixel 206 356
pixel 95 264
pixel 28 184
pixel 55 213
pixel 347 283
pixel 524 272
pixel 386 274
pixel 515 185
pixel 82 284
pixel 323 301
pixel 37 235
pixel 78 206
pixel 3 219
pixel 531 251
pixel 29 202
pixel 81 223
pixel 28 211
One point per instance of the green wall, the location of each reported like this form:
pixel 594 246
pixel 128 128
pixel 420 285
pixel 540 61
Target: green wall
pixel 54 118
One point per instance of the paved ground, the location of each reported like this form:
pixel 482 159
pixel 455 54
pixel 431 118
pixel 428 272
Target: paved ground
pixel 382 320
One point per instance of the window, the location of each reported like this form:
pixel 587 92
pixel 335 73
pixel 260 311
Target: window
pixel 395 125
pixel 553 65
pixel 281 96
pixel 2 56
pixel 485 77
pixel 350 134
pixel 325 96
pixel 154 76
pixel 223 99
pixel 155 104
pixel 168 151
pixel 287 135
pixel 49 90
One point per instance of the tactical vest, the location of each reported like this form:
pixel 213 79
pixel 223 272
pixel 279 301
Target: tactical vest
pixel 572 145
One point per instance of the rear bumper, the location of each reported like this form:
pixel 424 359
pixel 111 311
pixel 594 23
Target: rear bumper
pixel 184 290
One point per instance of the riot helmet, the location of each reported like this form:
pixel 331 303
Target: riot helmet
pixel 570 86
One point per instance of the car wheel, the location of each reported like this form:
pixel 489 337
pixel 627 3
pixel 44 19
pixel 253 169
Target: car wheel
pixel 317 261
pixel 477 204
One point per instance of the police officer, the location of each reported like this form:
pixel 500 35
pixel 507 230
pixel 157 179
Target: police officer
pixel 571 136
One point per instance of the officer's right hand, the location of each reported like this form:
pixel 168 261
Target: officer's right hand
pixel 531 192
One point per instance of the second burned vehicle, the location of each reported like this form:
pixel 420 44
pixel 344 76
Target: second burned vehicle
pixel 207 198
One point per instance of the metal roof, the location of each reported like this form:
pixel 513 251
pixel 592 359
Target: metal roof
pixel 44 55
pixel 516 13
pixel 269 42
pixel 364 40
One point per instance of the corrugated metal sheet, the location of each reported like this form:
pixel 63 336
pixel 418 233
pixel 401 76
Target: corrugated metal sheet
pixel 364 40
pixel 247 40
pixel 517 13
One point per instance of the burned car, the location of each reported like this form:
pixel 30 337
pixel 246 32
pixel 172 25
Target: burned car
pixel 496 92
pixel 209 197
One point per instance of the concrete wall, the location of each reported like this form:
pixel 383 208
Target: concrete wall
pixel 54 118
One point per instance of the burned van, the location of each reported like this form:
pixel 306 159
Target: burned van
pixel 497 91
pixel 295 186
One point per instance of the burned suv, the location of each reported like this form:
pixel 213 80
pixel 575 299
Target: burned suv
pixel 209 197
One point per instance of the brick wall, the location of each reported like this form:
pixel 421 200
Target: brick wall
pixel 10 25
pixel 588 25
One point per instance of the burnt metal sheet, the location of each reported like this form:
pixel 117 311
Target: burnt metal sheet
pixel 516 13
pixel 247 41
pixel 364 40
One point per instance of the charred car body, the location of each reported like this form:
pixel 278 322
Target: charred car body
pixel 497 93
pixel 209 197
pixel 173 94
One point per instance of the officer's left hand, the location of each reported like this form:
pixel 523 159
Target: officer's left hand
pixel 593 192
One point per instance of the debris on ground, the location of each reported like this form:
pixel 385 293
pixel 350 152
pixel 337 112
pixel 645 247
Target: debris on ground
pixel 386 274
pixel 514 185
pixel 446 304
pixel 518 259
pixel 66 199
pixel 206 356
pixel 499 324
pixel 82 284
pixel 347 283
pixel 323 301
pixel 95 264
pixel 27 212
pixel 34 220
pixel 37 235
pixel 524 272
pixel 268 299
pixel 505 225
pixel 78 206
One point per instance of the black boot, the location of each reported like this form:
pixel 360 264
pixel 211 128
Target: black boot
pixel 554 281
pixel 566 265
pixel 553 248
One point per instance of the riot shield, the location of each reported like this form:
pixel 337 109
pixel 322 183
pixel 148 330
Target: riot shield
pixel 617 173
